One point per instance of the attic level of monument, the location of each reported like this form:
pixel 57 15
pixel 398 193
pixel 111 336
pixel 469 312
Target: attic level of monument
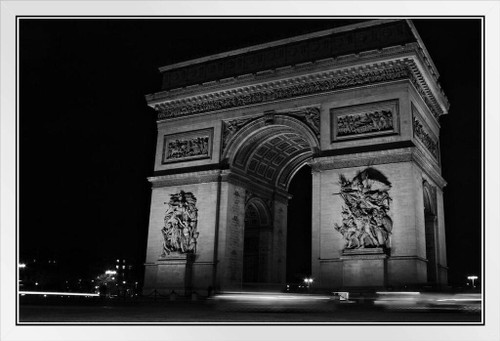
pixel 358 55
pixel 310 47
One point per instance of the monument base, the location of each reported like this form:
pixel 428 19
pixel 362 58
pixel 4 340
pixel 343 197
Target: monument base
pixel 174 273
pixel 364 267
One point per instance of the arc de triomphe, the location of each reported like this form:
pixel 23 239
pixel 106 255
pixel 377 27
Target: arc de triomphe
pixel 360 104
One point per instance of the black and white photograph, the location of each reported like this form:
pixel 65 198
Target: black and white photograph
pixel 191 171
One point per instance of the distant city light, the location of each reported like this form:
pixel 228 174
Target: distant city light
pixel 45 293
pixel 472 278
pixel 36 283
pixel 110 272
pixel 117 260
pixel 398 293
pixel 113 278
pixel 22 266
pixel 124 282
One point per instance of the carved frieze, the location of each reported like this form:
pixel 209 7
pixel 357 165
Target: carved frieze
pixel 423 134
pixel 231 127
pixel 365 215
pixel 179 232
pixel 310 116
pixel 299 86
pixel 187 146
pixel 364 120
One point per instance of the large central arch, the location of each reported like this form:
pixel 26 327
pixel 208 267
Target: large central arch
pixel 271 148
pixel 265 154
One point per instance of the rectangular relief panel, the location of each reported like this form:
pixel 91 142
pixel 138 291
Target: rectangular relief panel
pixel 187 146
pixel 423 133
pixel 366 120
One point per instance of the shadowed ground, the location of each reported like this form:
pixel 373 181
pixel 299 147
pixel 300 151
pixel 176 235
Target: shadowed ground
pixel 205 311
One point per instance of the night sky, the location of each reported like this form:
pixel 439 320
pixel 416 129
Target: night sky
pixel 87 137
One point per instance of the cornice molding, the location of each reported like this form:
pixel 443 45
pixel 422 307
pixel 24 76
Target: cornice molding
pixel 237 90
pixel 304 85
pixel 184 178
pixel 431 169
pixel 320 164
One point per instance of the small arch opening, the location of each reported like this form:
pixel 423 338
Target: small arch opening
pixel 257 243
pixel 299 242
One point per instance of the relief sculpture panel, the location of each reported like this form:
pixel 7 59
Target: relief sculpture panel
pixel 187 146
pixel 365 215
pixel 364 120
pixel 179 232
pixel 423 134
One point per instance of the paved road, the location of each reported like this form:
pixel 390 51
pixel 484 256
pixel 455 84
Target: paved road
pixel 206 312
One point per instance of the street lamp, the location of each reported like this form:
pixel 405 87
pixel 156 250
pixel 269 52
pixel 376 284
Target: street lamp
pixel 472 278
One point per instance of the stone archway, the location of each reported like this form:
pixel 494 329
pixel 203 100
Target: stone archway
pixel 270 149
pixel 257 242
pixel 263 155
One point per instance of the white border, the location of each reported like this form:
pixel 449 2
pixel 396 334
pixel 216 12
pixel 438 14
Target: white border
pixel 9 9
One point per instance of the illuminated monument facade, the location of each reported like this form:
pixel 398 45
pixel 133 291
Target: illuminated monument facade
pixel 359 104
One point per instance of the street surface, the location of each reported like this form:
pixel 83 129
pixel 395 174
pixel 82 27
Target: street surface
pixel 259 308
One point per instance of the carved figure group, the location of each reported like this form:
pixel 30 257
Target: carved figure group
pixel 181 219
pixel 365 219
pixel 364 123
pixel 232 127
pixel 187 147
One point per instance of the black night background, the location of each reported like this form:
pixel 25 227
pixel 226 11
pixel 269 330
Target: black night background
pixel 87 138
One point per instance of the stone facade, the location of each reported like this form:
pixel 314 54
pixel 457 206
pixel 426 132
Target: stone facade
pixel 232 132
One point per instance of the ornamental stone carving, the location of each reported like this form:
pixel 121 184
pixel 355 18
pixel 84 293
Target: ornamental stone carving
pixel 365 120
pixel 309 116
pixel 180 225
pixel 187 146
pixel 362 123
pixel 365 219
pixel 306 85
pixel 420 132
pixel 230 128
